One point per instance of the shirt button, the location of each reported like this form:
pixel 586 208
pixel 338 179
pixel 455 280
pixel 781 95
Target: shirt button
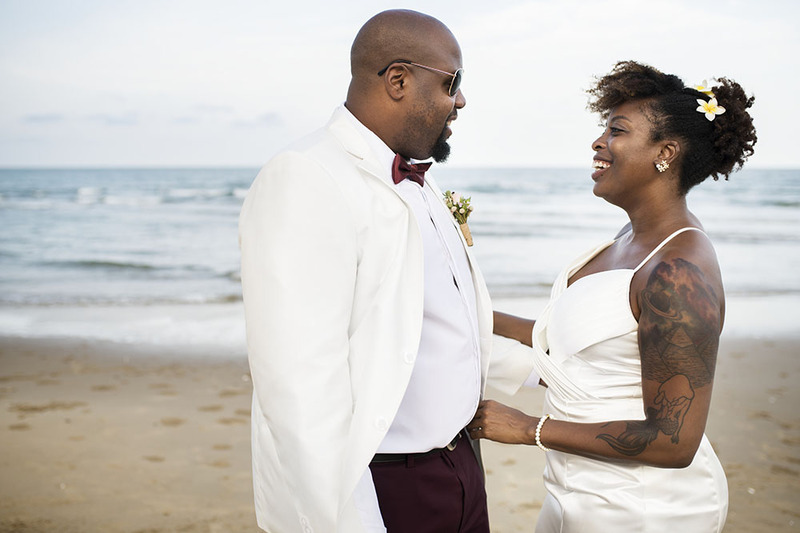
pixel 409 357
pixel 381 423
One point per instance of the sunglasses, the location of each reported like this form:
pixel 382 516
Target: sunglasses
pixel 455 83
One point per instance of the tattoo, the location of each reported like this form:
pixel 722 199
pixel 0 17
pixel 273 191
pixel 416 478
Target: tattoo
pixel 678 340
pixel 673 399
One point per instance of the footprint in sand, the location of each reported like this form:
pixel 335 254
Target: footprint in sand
pixel 210 408
pixel 778 469
pixel 509 462
pixel 103 388
pixel 220 464
pixel 529 506
pixel 172 422
pixel 153 458
pixel 19 427
pixel 52 406
pixel 243 412
pixel 231 421
pixel 227 393
pixel 222 447
pixel 164 389
pixel 791 441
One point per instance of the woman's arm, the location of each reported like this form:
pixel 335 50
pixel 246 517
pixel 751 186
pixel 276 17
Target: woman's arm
pixel 679 331
pixel 514 327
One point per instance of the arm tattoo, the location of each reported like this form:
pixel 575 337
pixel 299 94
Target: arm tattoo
pixel 678 339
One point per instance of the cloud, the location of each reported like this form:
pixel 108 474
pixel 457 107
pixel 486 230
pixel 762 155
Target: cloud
pixel 270 120
pixel 213 109
pixel 43 118
pixel 115 119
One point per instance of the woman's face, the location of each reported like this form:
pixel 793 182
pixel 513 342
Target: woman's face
pixel 625 156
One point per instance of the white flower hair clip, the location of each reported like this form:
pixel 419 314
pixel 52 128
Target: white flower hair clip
pixel 711 108
pixel 704 88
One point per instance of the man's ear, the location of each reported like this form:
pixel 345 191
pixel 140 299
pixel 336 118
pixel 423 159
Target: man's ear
pixel 395 80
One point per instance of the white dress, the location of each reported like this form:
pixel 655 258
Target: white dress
pixel 588 354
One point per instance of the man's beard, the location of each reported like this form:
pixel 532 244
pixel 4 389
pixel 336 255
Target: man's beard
pixel 441 150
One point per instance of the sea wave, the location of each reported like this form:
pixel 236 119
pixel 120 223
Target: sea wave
pixel 99 264
pixel 89 300
pixel 196 194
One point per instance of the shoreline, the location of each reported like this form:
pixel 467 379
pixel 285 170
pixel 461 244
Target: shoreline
pixel 215 328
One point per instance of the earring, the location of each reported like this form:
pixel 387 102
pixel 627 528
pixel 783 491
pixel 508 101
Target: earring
pixel 663 166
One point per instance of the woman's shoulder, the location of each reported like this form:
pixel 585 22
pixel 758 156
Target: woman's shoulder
pixel 685 254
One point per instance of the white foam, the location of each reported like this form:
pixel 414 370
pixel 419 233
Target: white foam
pixel 219 327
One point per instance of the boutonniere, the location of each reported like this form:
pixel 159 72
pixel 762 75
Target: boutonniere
pixel 461 209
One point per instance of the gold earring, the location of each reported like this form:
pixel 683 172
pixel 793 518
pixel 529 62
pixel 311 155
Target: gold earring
pixel 662 166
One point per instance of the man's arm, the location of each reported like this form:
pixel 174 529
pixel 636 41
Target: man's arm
pixel 298 276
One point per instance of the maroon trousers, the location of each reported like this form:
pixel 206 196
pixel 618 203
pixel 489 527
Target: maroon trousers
pixel 439 493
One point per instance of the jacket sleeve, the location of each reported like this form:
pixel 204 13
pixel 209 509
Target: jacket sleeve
pixel 299 260
pixel 511 366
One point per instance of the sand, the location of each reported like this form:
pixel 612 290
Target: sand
pixel 104 437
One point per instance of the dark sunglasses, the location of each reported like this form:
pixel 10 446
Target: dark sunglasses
pixel 455 83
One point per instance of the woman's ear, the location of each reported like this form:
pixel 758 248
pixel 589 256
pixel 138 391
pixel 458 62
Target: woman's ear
pixel 669 152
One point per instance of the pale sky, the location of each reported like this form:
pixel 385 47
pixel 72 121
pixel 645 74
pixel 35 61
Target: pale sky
pixel 197 83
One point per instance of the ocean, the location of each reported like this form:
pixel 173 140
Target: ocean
pixel 93 240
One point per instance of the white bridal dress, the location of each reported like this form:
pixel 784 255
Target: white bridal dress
pixel 588 354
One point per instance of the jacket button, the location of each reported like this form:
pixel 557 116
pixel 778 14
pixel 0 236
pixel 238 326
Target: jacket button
pixel 409 357
pixel 381 423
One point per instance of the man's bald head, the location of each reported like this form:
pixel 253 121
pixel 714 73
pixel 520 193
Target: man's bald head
pixel 396 34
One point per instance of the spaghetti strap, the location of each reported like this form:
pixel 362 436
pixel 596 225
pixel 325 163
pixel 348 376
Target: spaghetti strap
pixel 663 243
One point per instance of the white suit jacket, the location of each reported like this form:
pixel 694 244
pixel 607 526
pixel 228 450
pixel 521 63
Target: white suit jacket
pixel 332 279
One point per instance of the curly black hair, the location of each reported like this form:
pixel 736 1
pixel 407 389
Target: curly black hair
pixel 708 148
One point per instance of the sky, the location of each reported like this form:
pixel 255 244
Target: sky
pixel 200 83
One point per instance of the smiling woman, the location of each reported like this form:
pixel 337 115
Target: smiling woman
pixel 628 343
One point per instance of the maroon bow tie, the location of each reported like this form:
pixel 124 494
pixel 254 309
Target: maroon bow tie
pixel 402 169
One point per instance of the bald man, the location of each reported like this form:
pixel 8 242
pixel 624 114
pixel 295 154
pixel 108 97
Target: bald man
pixel 369 326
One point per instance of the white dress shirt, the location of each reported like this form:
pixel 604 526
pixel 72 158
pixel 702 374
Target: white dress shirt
pixel 444 388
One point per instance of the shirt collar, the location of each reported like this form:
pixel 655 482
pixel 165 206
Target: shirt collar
pixel 384 154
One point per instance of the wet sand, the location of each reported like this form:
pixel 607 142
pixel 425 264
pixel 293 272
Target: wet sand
pixel 103 437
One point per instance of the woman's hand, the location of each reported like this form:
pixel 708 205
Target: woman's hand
pixel 500 423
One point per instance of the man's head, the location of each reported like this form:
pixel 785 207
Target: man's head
pixel 404 67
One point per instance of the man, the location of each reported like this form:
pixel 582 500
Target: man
pixel 369 326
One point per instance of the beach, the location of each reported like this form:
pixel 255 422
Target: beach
pixel 124 383
pixel 101 436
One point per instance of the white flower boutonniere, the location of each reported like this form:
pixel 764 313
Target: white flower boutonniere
pixel 460 207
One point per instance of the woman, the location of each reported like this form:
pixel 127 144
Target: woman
pixel 628 343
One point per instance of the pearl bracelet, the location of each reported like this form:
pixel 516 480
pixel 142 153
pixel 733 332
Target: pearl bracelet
pixel 539 433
